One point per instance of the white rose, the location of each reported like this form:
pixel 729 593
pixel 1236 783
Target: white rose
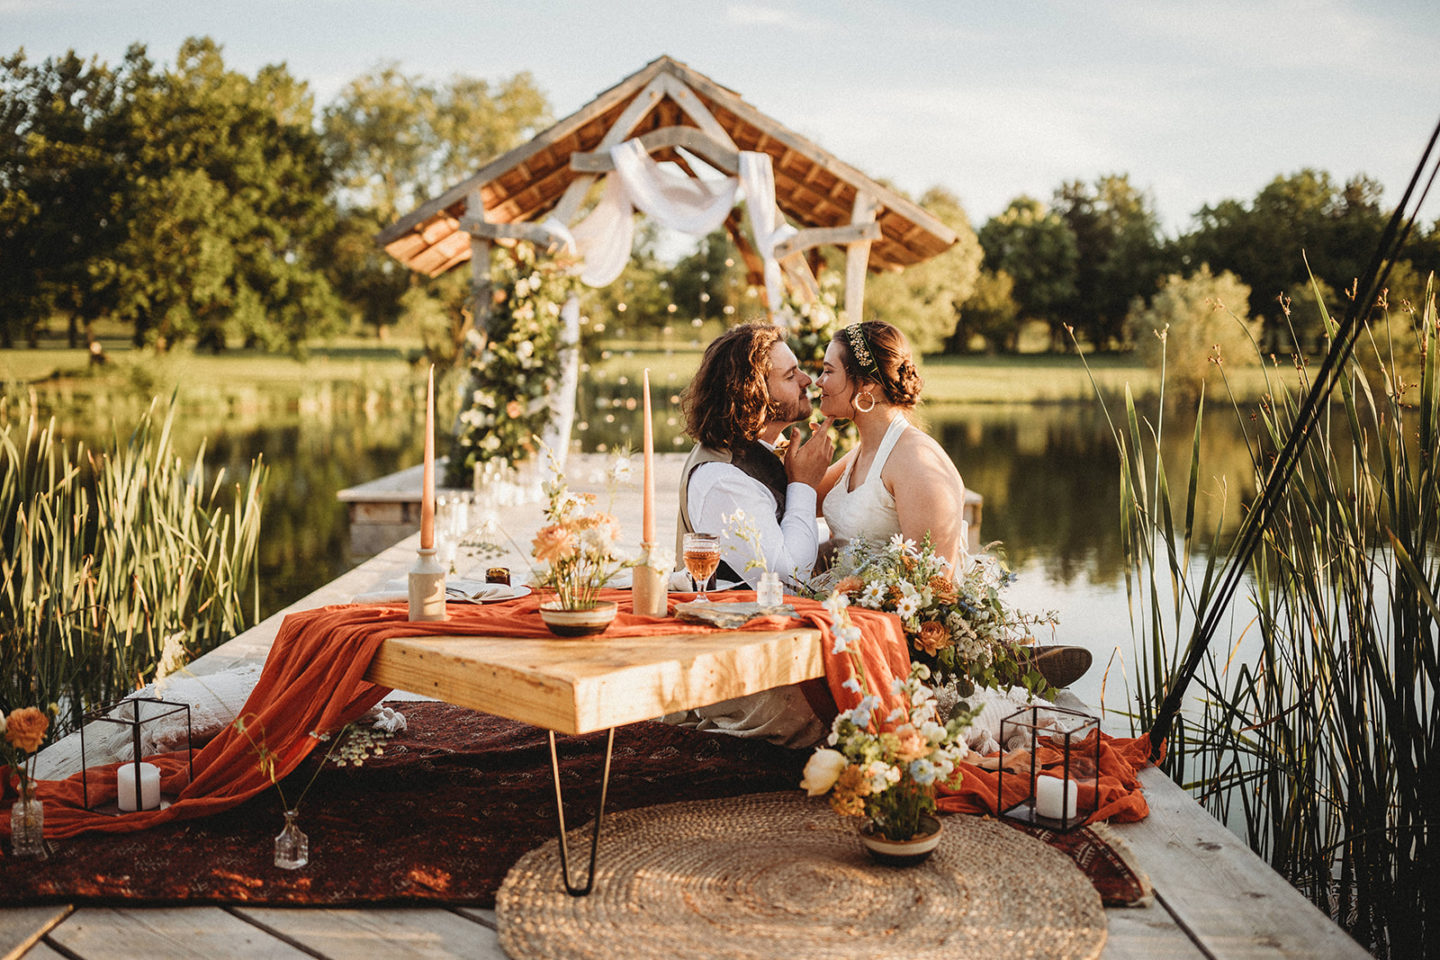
pixel 822 770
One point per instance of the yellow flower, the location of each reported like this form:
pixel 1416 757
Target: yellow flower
pixel 25 729
pixel 553 543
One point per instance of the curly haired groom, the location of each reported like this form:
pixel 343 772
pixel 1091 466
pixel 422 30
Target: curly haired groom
pixel 748 388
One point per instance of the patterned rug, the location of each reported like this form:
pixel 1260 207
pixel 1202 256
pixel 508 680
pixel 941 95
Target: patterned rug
pixel 452 804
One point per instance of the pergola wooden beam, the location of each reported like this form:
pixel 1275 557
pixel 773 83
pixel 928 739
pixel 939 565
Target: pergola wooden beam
pixel 692 139
pixel 819 236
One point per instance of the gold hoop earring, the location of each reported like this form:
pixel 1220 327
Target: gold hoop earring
pixel 856 403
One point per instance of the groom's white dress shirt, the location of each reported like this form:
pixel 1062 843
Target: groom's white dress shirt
pixel 718 490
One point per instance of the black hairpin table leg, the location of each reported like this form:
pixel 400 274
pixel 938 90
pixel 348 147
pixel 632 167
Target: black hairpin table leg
pixel 570 888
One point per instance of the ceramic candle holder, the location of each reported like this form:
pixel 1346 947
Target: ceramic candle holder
pixel 427 587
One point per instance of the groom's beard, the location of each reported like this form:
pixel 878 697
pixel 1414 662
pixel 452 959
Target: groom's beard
pixel 789 413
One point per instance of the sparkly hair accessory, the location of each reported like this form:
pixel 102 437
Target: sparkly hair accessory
pixel 861 351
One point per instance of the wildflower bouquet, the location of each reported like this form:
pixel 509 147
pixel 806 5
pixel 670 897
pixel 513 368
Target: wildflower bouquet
pixel 886 768
pixel 577 547
pixel 962 629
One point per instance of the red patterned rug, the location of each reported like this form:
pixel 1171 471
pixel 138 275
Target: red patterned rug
pixel 439 818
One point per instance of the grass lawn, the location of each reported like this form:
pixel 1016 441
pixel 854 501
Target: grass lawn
pixel 247 377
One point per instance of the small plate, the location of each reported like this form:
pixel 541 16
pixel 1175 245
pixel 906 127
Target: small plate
pixel 460 595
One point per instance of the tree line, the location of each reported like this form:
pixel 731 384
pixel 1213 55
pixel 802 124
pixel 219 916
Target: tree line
pixel 195 204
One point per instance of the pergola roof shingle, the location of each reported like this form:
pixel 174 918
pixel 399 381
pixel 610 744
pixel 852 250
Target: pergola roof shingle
pixel 812 186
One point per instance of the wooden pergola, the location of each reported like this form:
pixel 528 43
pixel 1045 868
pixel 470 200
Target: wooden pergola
pixel 682 116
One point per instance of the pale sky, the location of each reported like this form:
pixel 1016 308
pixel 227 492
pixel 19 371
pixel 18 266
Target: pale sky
pixel 1196 101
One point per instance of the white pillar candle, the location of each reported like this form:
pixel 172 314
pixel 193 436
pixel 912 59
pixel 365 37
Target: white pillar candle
pixel 1055 798
pixel 149 787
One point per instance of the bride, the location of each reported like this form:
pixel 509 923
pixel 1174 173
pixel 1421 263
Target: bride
pixel 897 479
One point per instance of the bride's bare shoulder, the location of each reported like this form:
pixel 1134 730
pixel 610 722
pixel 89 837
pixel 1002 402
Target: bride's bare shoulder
pixel 916 448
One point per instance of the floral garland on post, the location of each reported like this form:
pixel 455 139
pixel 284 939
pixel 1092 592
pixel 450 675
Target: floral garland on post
pixel 514 367
pixel 809 326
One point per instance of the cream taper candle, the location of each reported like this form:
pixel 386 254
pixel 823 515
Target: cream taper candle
pixel 647 524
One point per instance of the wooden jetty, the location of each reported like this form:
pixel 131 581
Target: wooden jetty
pixel 1213 898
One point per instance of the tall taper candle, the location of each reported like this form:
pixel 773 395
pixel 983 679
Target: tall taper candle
pixel 647 526
pixel 427 486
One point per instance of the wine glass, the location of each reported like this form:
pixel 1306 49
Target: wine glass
pixel 702 556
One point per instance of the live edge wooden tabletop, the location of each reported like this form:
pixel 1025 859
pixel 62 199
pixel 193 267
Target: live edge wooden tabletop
pixel 582 685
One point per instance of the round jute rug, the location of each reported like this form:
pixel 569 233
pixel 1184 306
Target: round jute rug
pixel 778 875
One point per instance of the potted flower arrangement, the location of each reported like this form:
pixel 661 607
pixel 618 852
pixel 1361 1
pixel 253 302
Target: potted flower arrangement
pixel 961 628
pixel 23 734
pixel 885 768
pixel 577 553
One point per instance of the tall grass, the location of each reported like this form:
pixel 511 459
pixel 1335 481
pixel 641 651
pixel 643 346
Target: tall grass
pixel 107 553
pixel 1317 728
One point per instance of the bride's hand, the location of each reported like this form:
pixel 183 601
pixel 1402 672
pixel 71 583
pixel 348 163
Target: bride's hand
pixel 807 462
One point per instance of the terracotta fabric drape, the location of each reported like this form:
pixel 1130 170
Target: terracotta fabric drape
pixel 314 681
pixel 1117 784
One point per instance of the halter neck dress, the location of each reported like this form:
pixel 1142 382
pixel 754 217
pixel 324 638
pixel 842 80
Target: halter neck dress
pixel 868 511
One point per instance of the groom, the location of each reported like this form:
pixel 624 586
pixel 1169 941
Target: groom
pixel 748 388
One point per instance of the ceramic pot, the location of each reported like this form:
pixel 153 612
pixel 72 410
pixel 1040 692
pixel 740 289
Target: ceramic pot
pixel 902 853
pixel 564 622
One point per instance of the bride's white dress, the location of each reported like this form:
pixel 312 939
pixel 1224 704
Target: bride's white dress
pixel 868 511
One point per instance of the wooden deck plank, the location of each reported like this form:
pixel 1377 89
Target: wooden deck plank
pixel 1147 933
pixel 394 933
pixel 21 927
pixel 1229 899
pixel 167 933
pixel 41 951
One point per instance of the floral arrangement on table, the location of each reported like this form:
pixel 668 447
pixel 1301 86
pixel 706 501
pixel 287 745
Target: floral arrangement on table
pixel 963 630
pixel 23 734
pixel 514 365
pixel 577 547
pixel 886 768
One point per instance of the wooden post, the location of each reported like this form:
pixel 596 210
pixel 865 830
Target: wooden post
pixel 857 258
pixel 480 297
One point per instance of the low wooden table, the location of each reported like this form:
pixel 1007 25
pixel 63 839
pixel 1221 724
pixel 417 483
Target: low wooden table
pixel 598 683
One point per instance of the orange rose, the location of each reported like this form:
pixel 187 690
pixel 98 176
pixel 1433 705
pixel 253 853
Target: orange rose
pixel 513 410
pixel 850 586
pixel 933 637
pixel 943 588
pixel 553 543
pixel 25 729
pixel 912 747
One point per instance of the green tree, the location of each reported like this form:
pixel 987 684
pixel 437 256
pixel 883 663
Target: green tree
pixel 395 140
pixel 60 135
pixel 924 300
pixel 1037 249
pixel 227 193
pixel 991 313
pixel 1191 324
pixel 1120 254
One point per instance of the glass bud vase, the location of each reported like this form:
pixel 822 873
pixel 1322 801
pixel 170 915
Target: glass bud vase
pixel 292 848
pixel 27 824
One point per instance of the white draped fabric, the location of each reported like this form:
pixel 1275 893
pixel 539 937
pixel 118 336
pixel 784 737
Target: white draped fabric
pixel 766 221
pixel 603 240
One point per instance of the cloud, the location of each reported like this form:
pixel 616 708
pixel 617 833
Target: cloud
pixel 756 15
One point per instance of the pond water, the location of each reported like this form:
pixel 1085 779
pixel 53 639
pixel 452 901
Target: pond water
pixel 1048 473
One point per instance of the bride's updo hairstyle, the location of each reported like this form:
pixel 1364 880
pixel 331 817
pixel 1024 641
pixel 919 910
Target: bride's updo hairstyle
pixel 888 363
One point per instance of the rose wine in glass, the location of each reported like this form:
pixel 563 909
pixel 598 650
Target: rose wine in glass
pixel 702 556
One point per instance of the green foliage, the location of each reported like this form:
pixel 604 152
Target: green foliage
pixel 1322 728
pixel 924 301
pixel 991 313
pixel 108 554
pixel 514 367
pixel 1117 239
pixel 1194 325
pixel 1037 249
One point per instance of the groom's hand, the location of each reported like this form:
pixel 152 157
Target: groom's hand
pixel 807 462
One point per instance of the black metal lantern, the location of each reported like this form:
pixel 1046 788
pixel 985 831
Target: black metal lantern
pixel 137 783
pixel 1060 794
